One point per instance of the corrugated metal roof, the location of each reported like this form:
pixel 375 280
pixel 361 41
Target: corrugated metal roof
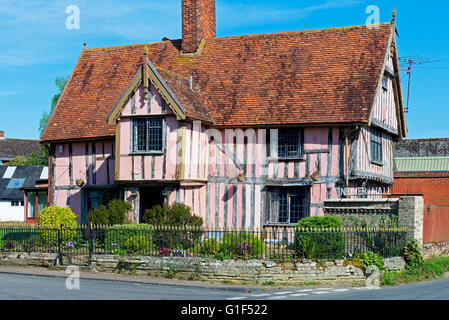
pixel 420 164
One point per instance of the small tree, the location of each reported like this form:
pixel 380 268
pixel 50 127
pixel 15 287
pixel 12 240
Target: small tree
pixel 32 159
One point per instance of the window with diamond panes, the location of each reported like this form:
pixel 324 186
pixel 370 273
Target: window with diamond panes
pixel 289 143
pixel 148 135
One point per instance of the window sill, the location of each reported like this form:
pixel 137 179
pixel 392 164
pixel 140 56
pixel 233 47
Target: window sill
pixel 377 163
pixel 279 225
pixel 149 153
pixel 285 159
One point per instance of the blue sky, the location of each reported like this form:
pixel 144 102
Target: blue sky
pixel 36 47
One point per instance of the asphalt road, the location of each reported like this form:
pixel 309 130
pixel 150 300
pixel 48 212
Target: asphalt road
pixel 32 287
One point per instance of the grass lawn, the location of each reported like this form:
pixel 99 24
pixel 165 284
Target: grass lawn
pixel 431 269
pixel 16 234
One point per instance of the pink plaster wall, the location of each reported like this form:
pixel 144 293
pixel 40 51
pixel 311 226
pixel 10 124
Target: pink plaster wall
pixel 364 154
pixel 62 160
pixel 201 164
pixel 153 163
pixel 65 187
pixel 385 106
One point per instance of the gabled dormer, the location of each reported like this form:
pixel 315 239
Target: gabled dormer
pixel 152 125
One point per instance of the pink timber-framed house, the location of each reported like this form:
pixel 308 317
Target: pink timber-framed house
pixel 249 131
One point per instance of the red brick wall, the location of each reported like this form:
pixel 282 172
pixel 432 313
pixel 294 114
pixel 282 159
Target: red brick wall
pixel 433 185
pixel 198 23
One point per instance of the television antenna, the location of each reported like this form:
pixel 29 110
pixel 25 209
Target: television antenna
pixel 408 62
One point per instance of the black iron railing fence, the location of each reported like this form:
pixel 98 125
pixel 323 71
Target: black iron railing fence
pixel 277 243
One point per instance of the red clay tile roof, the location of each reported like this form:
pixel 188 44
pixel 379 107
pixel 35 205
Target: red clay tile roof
pixel 309 77
pixel 191 100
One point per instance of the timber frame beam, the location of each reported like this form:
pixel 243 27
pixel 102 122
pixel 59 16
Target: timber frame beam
pixel 145 75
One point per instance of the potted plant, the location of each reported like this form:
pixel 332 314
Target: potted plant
pixel 80 183
pixel 240 177
pixel 315 176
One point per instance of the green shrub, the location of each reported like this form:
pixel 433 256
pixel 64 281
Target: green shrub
pixel 370 258
pixel 209 247
pixel 98 216
pixel 131 238
pixel 320 244
pixel 57 224
pixel 137 244
pixel 114 213
pixel 242 245
pixel 223 255
pixel 320 222
pixel 412 254
pixel 57 216
pixel 118 210
pixel 183 228
pixel 177 214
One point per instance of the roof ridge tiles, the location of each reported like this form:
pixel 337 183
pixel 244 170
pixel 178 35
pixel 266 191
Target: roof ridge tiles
pixel 302 31
pixel 241 36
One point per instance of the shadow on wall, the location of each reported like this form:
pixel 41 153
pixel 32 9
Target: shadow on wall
pixel 230 192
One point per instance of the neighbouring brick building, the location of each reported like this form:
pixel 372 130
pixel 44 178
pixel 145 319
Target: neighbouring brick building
pixel 422 167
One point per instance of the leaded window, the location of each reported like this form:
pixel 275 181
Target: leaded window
pixel 385 82
pixel 287 205
pixel 376 145
pixel 148 135
pixel 289 143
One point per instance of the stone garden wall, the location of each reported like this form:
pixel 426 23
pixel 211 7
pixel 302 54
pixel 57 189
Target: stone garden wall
pixel 375 212
pixel 34 259
pixel 430 250
pixel 407 211
pixel 212 270
pixel 233 271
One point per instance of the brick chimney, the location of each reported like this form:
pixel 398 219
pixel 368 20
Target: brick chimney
pixel 198 23
pixel 2 135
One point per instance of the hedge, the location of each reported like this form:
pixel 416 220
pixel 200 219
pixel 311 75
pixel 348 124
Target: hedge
pixel 311 243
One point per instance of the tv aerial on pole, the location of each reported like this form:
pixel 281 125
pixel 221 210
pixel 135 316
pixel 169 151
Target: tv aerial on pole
pixel 408 62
